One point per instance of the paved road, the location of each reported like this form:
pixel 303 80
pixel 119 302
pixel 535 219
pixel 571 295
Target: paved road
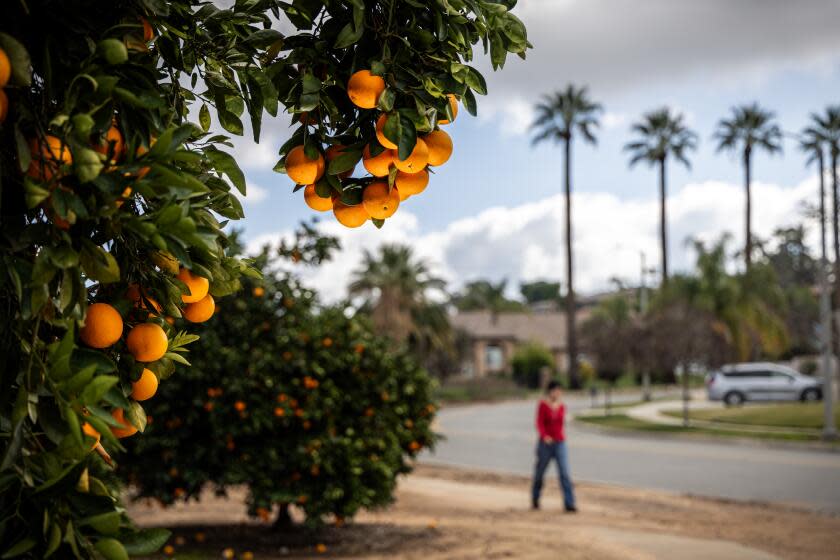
pixel 501 437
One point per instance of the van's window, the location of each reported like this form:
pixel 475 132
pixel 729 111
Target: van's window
pixel 780 375
pixel 748 373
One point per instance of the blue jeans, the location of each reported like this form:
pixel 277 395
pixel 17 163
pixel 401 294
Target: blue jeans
pixel 545 453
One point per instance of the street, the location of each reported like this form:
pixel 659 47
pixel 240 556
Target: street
pixel 501 437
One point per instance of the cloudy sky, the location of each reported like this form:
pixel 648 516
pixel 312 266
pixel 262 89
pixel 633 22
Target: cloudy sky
pixel 494 210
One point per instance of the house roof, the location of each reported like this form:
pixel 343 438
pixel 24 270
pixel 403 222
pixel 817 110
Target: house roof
pixel 547 328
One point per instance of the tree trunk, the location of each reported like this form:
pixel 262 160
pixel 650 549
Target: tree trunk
pixel 663 223
pixel 827 367
pixel 685 396
pixel 835 223
pixel 748 243
pixel 571 332
pixel 284 519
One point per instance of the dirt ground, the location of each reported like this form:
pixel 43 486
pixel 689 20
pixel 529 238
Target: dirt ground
pixel 454 514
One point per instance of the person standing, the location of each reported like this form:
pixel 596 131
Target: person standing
pixel 552 445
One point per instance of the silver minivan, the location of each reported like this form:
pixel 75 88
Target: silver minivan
pixel 761 381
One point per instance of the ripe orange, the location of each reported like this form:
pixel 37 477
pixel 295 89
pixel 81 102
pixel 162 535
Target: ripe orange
pixel 197 285
pixel 410 184
pixel 111 144
pixel 140 299
pixel 140 152
pixel 91 431
pixel 47 156
pixel 259 291
pixel 332 153
pixel 148 32
pixel 125 194
pixel 147 342
pixel 4 106
pixel 201 310
pixel 316 202
pixel 301 169
pixel 380 203
pixel 380 134
pixel 279 411
pixel 127 430
pixel 145 387
pixel 440 147
pixel 350 216
pixel 416 161
pixel 240 406
pixel 5 69
pixel 453 104
pixel 103 326
pixel 364 89
pixel 378 165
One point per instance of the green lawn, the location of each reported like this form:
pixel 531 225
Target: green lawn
pixel 787 415
pixel 624 422
pixel 492 388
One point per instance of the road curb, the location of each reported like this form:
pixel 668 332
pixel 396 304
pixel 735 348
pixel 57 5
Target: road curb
pixel 726 440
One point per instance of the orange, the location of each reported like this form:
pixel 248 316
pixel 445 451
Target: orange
pixel 417 159
pixel 301 169
pixel 380 134
pixel 259 291
pixel 140 299
pixel 111 144
pixel 125 194
pixel 91 431
pixel 103 326
pixel 332 153
pixel 5 69
pixel 197 285
pixel 316 202
pixel 380 203
pixel 47 156
pixel 364 89
pixel 201 310
pixel 240 406
pixel 145 387
pixel 453 104
pixel 378 165
pixel 440 147
pixel 148 32
pixel 411 183
pixel 4 106
pixel 147 342
pixel 350 216
pixel 127 430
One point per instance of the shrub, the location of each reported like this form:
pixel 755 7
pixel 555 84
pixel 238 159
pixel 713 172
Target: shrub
pixel 528 362
pixel 303 404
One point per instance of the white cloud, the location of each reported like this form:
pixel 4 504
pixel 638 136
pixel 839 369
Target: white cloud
pixel 614 120
pixel 255 194
pixel 526 242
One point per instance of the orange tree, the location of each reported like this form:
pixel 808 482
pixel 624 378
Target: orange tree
pixel 302 403
pixel 112 204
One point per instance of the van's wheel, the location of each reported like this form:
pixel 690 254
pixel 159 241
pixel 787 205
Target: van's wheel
pixel 810 395
pixel 734 398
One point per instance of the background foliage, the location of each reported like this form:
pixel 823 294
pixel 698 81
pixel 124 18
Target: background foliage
pixel 303 404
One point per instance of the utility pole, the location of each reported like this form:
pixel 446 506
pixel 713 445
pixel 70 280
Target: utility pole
pixel 643 303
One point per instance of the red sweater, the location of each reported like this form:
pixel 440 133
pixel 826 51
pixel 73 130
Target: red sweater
pixel 550 421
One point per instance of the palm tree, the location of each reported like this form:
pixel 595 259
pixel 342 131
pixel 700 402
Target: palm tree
pixel 749 128
pixel 560 116
pixel 483 294
pixel 661 134
pixel 396 286
pixel 827 129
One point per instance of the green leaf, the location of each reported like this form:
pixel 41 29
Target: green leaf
pixel 146 541
pixel 136 416
pixel 408 139
pixel 20 547
pixel 87 164
pixel 98 264
pixel 204 117
pixel 230 122
pixel 348 36
pixel 19 60
pixel 107 523
pixel 225 163
pixel 111 549
pixel 345 162
pixel 24 154
pixel 97 387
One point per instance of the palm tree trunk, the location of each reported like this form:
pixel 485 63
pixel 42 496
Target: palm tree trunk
pixel 571 332
pixel 663 224
pixel 748 243
pixel 835 223
pixel 829 428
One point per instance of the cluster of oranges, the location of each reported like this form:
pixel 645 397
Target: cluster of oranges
pixel 381 196
pixel 146 341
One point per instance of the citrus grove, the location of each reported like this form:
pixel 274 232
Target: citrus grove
pixel 117 181
pixel 302 403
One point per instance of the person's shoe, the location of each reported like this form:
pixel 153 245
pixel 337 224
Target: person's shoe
pixel 572 509
pixel 535 504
